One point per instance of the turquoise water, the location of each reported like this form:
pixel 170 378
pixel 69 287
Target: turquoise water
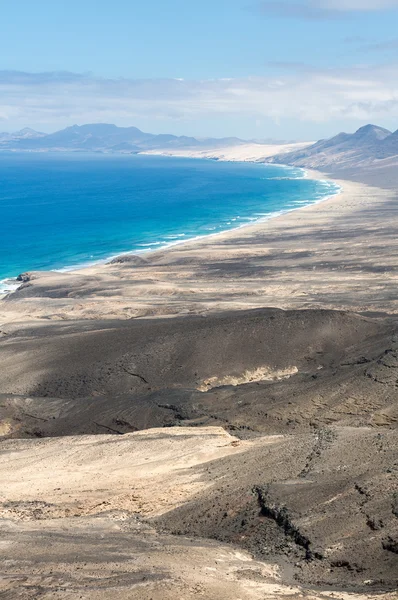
pixel 61 211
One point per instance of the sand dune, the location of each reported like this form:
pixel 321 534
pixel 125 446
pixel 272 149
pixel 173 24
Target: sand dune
pixel 249 152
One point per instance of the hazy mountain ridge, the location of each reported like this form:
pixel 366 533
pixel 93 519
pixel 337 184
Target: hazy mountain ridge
pixel 366 146
pixel 103 137
pixel 23 134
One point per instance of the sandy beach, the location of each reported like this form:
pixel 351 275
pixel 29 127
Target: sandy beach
pixel 340 253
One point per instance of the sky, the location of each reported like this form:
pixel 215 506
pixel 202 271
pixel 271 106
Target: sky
pixel 282 69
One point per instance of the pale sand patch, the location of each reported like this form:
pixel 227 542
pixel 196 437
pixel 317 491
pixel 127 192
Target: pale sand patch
pixel 149 472
pixel 261 374
pixel 6 427
pixel 245 152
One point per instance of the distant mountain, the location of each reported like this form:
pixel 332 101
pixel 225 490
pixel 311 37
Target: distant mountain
pixel 367 145
pixel 389 147
pixel 370 134
pixel 103 137
pixel 23 134
pixel 222 142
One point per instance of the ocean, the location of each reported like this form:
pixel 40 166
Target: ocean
pixel 62 211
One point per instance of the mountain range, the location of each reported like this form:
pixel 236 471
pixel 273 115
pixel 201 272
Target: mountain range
pixel 103 137
pixel 366 146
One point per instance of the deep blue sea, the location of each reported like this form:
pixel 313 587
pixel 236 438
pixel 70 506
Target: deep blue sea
pixel 60 211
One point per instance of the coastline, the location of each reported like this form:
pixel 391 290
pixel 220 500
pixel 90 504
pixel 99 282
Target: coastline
pixel 10 284
pixel 340 253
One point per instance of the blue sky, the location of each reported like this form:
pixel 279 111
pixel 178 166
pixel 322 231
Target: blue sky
pixel 286 69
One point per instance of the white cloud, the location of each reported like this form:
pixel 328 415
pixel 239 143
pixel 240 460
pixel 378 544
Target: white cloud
pixel 359 5
pixel 53 100
pixel 322 9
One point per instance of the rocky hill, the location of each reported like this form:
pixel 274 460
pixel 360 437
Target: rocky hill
pixel 272 431
pixel 364 147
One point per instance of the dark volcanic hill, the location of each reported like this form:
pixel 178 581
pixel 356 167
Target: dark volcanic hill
pixel 103 137
pixel 364 147
pixel 321 498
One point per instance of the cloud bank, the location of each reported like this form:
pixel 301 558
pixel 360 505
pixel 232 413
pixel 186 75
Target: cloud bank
pixel 53 100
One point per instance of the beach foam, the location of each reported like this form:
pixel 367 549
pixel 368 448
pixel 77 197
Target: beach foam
pixel 8 285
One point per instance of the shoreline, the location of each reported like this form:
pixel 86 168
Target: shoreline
pixel 339 253
pixel 9 285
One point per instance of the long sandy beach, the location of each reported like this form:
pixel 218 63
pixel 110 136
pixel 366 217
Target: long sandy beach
pixel 341 254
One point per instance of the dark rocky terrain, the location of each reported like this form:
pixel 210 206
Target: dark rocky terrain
pixel 291 371
pixel 321 499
